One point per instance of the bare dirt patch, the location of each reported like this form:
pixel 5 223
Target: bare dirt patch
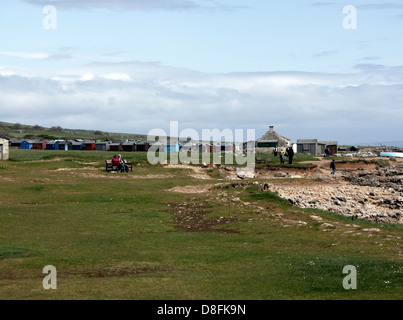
pixel 197 172
pixel 191 189
pixel 191 217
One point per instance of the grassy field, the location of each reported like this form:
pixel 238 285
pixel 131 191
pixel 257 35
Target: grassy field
pixel 128 236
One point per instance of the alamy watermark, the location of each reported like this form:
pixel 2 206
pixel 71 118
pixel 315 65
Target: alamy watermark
pixel 212 144
pixel 350 20
pixel 49 22
pixel 350 281
pixel 49 281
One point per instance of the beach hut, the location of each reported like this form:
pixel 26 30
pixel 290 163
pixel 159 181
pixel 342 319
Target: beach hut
pixel 129 146
pixel 52 145
pixel 227 147
pixel 115 147
pixel 38 144
pixel 172 147
pixel 89 145
pixel 142 146
pixel 26 144
pixel 64 145
pixel 102 146
pixel 15 143
pixel 77 145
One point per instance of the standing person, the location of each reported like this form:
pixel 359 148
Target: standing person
pixel 333 166
pixel 290 153
pixel 282 157
pixel 275 151
pixel 123 165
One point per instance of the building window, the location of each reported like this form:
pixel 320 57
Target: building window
pixel 305 147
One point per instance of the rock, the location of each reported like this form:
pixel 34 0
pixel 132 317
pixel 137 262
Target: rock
pixel 316 218
pixel 280 174
pixel 245 173
pixel 327 225
pixel 372 230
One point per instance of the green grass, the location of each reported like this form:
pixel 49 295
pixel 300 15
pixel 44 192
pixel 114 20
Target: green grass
pixel 117 236
pixel 301 161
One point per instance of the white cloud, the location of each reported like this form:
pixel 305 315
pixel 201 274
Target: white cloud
pixel 137 97
pixel 117 77
pixel 25 55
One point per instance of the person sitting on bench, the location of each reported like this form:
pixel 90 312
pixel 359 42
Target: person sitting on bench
pixel 116 162
pixel 123 165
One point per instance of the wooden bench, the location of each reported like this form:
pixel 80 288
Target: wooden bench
pixel 111 167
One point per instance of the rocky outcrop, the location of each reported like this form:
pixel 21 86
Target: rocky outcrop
pixel 384 177
pixel 357 202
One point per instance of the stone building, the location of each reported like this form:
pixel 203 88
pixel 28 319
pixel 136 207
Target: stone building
pixel 315 147
pixel 270 140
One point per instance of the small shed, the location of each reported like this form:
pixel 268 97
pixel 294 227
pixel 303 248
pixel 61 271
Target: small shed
pixel 216 147
pixel 89 145
pixel 173 147
pixel 142 146
pixel 129 146
pixel 225 147
pixel 39 145
pixel 4 148
pixel 77 145
pixel 309 146
pixel 64 145
pixel 52 145
pixel 332 145
pixel 115 147
pixel 16 143
pixel 102 146
pixel 205 147
pixel 28 144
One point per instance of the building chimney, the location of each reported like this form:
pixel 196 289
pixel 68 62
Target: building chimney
pixel 271 129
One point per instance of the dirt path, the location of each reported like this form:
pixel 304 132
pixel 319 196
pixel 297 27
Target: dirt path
pixel 198 172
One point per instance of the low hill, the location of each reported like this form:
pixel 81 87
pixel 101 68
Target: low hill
pixel 18 131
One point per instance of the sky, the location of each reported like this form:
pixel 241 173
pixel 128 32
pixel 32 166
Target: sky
pixel 326 70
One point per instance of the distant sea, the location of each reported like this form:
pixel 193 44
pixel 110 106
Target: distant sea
pixel 398 144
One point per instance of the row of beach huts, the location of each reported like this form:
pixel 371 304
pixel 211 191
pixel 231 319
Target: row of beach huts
pixel 265 144
pixel 124 146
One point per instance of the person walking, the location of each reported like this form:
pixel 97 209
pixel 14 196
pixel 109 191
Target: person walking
pixel 333 166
